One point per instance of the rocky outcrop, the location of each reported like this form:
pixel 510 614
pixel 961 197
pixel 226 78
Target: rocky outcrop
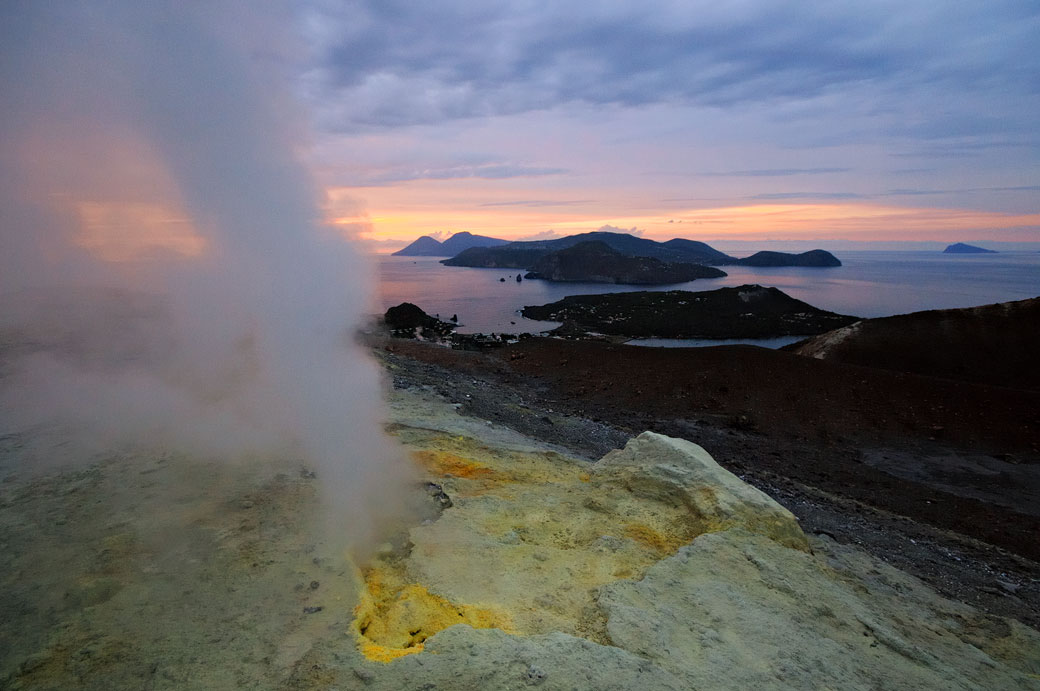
pixel 668 470
pixel 405 319
pixel 596 262
pixel 748 311
pixel 992 344
pixel 751 614
pixel 963 248
pixel 654 568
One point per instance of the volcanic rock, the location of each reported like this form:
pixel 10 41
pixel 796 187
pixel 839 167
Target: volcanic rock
pixel 405 318
pixel 654 569
pixel 675 471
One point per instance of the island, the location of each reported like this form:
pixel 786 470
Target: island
pixel 963 248
pixel 812 258
pixel 595 262
pixel 427 246
pixel 524 254
pixel 747 311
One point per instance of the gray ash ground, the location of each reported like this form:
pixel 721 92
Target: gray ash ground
pixel 959 566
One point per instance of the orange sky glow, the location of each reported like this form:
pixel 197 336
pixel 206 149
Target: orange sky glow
pixel 390 219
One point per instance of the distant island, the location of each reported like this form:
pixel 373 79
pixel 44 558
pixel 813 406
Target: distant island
pixel 526 255
pixel 962 248
pixel 459 242
pixel 819 258
pixel 748 311
pixel 596 262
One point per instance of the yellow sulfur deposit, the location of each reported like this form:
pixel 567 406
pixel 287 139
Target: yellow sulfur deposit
pixel 442 463
pixel 532 537
pixel 663 542
pixel 393 619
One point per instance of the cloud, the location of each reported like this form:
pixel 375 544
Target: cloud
pixel 488 171
pixel 776 172
pixel 774 196
pixel 539 203
pixel 614 229
pixel 911 192
pixel 544 235
pixel 378 63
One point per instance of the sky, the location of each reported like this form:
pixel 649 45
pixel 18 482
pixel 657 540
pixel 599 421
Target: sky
pixel 746 120
pixel 738 122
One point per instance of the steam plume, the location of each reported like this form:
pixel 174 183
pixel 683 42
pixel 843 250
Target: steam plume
pixel 165 276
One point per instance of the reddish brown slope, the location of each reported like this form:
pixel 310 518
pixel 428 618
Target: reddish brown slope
pixel 993 344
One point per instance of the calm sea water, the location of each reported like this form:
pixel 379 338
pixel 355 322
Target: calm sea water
pixel 869 284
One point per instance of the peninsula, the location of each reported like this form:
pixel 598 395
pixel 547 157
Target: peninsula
pixel 748 311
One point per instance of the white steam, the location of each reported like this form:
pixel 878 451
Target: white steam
pixel 165 276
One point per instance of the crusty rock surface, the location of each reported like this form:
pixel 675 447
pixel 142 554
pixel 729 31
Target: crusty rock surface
pixel 546 571
pixel 465 658
pixel 655 568
pixel 734 610
pixel 669 470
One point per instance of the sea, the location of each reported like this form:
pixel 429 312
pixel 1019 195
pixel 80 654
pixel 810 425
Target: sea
pixel 868 284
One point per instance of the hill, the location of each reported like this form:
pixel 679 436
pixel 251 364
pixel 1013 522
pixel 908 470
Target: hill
pixel 813 258
pixel 427 246
pixel 962 248
pixel 992 344
pixel 523 254
pixel 595 262
pixel 424 246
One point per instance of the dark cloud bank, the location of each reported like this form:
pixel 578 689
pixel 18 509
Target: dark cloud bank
pixel 381 63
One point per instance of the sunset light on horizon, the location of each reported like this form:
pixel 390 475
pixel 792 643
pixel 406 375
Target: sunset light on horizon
pixel 758 122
